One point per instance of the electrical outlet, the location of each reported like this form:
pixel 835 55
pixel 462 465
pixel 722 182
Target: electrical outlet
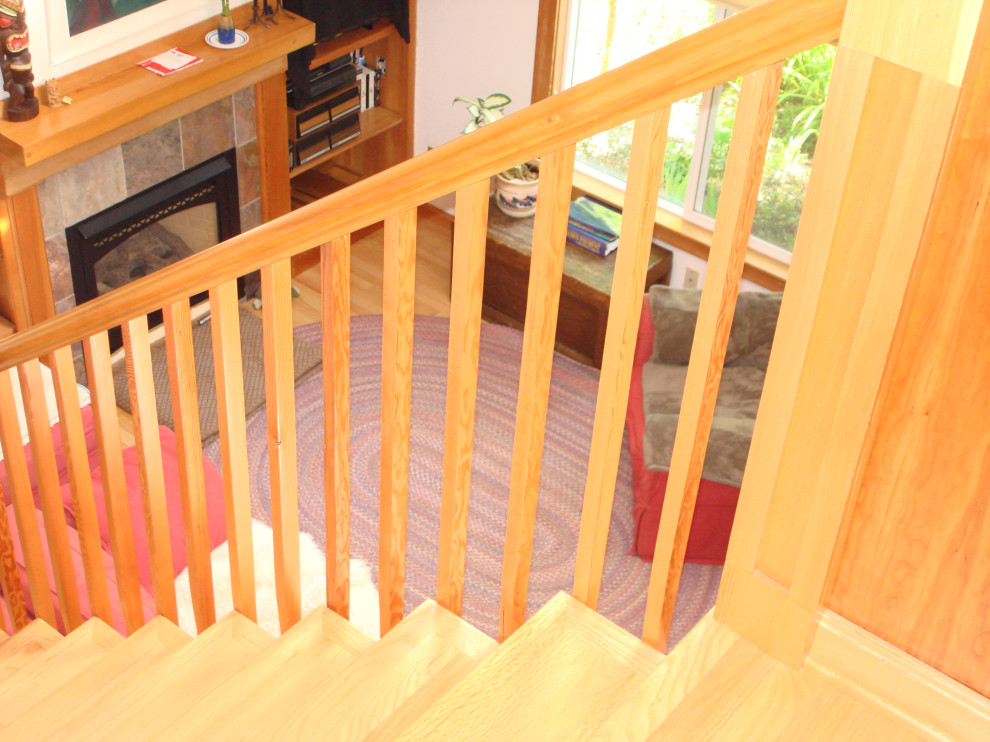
pixel 690 278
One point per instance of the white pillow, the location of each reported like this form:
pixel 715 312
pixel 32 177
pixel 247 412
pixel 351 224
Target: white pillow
pixel 46 378
pixel 312 564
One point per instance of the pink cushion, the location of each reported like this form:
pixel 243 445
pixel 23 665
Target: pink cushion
pixel 89 430
pixel 216 522
pixel 147 601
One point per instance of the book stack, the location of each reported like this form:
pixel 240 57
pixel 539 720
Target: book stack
pixel 593 225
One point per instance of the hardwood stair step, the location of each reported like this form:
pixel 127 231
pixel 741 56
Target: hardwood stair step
pixel 747 695
pixel 420 658
pixel 566 670
pixel 322 638
pixel 83 646
pixel 146 705
pixel 72 685
pixel 21 648
pixel 680 672
pixel 386 688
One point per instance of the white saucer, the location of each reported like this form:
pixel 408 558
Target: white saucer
pixel 240 39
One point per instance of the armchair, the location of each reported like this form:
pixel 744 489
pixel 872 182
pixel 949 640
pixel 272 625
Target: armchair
pixel 663 347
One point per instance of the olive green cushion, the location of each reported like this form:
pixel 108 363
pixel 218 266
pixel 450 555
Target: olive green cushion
pixel 674 313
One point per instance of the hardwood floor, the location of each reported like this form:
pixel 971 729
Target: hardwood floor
pixel 434 236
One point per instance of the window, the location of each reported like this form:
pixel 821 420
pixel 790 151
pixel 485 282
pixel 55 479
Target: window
pixel 605 34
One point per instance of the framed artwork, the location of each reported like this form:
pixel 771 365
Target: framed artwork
pixel 84 15
pixel 84 32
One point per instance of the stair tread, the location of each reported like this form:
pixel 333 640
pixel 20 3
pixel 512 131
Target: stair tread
pixel 564 671
pixel 70 686
pixel 321 638
pixel 749 695
pixel 83 646
pixel 21 648
pixel 146 705
pixel 430 649
pixel 666 686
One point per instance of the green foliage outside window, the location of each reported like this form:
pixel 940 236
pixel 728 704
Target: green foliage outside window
pixel 611 32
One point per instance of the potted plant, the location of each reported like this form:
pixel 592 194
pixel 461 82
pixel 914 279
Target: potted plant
pixel 515 188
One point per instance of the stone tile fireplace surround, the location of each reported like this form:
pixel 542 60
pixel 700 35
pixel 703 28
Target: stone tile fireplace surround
pixel 122 171
pixel 126 130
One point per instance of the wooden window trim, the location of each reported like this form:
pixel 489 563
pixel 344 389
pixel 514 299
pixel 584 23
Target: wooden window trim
pixel 671 228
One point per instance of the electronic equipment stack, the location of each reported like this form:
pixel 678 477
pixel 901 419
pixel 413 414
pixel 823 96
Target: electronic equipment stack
pixel 325 103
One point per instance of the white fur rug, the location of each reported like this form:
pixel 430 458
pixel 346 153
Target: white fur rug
pixel 364 594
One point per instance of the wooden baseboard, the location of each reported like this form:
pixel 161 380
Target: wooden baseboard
pixel 930 703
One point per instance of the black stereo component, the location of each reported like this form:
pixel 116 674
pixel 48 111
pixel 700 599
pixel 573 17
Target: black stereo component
pixel 334 17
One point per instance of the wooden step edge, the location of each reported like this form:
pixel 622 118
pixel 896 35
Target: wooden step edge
pixel 86 644
pixel 74 685
pixel 166 632
pixel 596 628
pixel 441 622
pixel 896 684
pixel 315 652
pixel 565 648
pixel 21 648
pixel 448 676
pixel 179 680
pixel 234 627
pixel 676 676
pixel 95 631
pixel 342 632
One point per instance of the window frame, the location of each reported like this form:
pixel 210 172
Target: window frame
pixel 554 48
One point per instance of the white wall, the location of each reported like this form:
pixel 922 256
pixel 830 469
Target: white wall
pixel 469 49
pixel 683 261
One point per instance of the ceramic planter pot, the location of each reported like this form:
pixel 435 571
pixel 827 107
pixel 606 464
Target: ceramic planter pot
pixel 515 197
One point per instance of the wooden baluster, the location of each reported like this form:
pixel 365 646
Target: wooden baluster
pixel 398 309
pixel 543 297
pixel 335 288
pixel 19 482
pixel 467 278
pixel 635 240
pixel 189 452
pixel 50 491
pixel 276 287
pixel 226 331
pixel 144 411
pixel 99 378
pixel 10 574
pixel 80 481
pixel 737 205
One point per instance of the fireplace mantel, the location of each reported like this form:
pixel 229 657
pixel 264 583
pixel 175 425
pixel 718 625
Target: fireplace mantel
pixel 116 100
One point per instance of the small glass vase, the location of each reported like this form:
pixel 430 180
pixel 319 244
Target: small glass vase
pixel 225 29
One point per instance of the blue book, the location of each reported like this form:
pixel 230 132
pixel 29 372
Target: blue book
pixel 593 225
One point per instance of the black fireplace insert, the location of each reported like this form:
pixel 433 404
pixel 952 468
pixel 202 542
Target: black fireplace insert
pixel 185 214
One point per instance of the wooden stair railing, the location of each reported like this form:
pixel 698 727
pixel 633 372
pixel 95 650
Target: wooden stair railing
pixel 733 224
pixel 755 40
pixel 225 329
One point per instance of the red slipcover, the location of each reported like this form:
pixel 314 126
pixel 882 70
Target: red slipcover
pixel 716 507
pixel 216 522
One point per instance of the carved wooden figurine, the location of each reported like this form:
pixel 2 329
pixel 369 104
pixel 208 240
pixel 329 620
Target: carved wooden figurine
pixel 15 62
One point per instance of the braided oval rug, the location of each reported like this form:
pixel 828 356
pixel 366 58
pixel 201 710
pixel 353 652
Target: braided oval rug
pixel 568 434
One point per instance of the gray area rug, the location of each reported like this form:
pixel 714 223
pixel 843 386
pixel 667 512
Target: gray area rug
pixel 305 358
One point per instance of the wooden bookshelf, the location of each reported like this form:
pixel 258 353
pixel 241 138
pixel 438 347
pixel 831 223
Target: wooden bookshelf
pixel 386 130
pixel 374 121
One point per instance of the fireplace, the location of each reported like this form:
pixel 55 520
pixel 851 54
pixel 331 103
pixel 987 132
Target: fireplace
pixel 178 217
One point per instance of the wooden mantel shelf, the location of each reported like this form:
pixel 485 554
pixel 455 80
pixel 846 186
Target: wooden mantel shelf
pixel 116 100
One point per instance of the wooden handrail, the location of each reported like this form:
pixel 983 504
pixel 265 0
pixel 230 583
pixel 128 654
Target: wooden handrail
pixel 739 45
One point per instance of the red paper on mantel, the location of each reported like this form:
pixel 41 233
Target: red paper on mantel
pixel 171 61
